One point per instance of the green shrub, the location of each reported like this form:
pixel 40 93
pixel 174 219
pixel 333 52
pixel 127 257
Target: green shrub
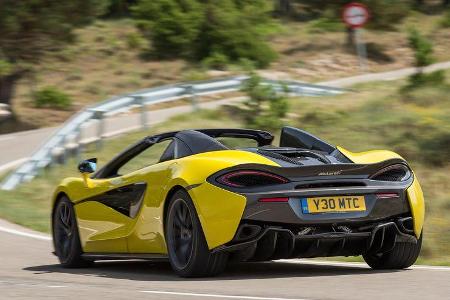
pixel 194 75
pixel 428 94
pixel 445 22
pixel 52 97
pixel 434 145
pixel 427 143
pixel 385 14
pixel 207 30
pixel 323 117
pixel 216 60
pixel 265 108
pixel 423 80
pixel 134 40
pixel 422 47
pixel 5 68
pixel 171 26
pixel 423 54
pixel 326 25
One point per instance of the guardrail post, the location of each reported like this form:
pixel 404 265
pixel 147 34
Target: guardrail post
pixel 78 143
pixel 190 90
pixel 140 101
pixel 80 139
pixel 64 150
pixel 100 129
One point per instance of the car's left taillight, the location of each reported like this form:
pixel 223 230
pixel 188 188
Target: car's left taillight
pixel 250 178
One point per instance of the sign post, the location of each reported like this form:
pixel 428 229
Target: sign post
pixel 356 15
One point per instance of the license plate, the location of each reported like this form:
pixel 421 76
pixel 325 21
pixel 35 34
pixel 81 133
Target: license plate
pixel 332 204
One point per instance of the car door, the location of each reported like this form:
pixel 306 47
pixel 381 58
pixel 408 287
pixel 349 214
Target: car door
pixel 108 216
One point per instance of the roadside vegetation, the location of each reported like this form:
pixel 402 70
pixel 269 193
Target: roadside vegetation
pixel 375 116
pixel 91 50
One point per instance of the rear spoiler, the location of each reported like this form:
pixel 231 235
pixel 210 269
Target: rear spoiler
pixel 263 138
pixel 297 138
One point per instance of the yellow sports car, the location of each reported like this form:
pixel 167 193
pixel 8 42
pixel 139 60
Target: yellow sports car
pixel 214 195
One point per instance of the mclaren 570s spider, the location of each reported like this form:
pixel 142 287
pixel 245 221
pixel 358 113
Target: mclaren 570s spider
pixel 215 195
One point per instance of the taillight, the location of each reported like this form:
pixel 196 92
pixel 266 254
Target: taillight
pixel 387 195
pixel 250 178
pixel 274 199
pixel 398 172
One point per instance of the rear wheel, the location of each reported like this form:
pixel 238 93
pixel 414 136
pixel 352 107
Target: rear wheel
pixel 186 244
pixel 66 239
pixel 403 255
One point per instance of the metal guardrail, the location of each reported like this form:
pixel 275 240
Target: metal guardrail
pixel 71 130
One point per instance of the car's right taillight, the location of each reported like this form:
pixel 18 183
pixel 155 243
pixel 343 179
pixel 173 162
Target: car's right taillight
pixel 397 172
pixel 250 178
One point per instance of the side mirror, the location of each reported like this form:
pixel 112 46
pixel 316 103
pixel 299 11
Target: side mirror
pixel 88 166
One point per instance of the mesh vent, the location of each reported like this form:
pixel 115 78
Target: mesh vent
pixel 393 173
pixel 279 156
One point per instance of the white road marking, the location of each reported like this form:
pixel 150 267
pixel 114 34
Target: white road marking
pixel 56 286
pixel 26 234
pixel 355 264
pixel 218 295
pixel 435 268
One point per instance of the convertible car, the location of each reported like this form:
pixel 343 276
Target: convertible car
pixel 200 198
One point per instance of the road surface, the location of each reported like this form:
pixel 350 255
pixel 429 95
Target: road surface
pixel 28 270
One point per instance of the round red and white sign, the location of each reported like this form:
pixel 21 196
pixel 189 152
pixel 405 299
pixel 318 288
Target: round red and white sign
pixel 355 15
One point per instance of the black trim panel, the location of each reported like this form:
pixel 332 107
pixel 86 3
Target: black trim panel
pixel 127 199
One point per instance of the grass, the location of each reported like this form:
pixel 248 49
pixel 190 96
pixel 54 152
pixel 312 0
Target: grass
pixel 376 116
pixel 109 58
pixel 310 54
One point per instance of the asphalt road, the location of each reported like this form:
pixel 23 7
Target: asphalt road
pixel 28 270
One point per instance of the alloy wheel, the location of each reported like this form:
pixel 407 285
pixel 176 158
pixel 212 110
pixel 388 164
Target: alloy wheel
pixel 181 233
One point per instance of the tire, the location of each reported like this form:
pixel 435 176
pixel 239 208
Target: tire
pixel 188 251
pixel 403 255
pixel 66 239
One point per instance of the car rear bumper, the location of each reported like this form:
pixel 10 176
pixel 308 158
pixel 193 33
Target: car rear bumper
pixel 255 242
pixel 290 212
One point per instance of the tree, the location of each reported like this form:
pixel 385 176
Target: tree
pixel 198 29
pixel 119 8
pixel 171 25
pixel 283 7
pixel 30 28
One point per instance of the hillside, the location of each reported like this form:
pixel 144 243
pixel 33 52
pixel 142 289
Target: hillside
pixel 374 116
pixel 109 57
